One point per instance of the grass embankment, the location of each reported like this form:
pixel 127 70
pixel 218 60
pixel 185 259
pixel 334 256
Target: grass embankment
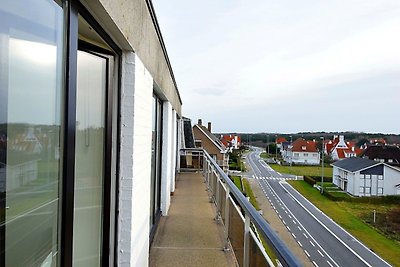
pixel 303 170
pixel 246 189
pixel 349 214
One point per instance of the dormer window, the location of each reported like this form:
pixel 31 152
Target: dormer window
pixel 303 148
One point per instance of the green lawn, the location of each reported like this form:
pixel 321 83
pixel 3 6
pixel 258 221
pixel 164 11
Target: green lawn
pixel 303 170
pixel 237 180
pixel 348 215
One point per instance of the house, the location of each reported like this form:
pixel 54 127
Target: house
pixel 231 141
pixel 90 114
pixel 279 141
pixel 365 177
pixel 303 152
pixel 338 148
pixel 386 154
pixel 205 139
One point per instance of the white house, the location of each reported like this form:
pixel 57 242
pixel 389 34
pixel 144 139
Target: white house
pixel 302 152
pixel 364 177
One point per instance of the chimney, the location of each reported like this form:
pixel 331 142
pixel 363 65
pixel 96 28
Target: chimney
pixel 209 127
pixel 199 122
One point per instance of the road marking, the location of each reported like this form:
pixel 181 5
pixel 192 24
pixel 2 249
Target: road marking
pixel 279 173
pixel 294 222
pixel 280 217
pixel 284 222
pixel 320 253
pixel 288 228
pixel 312 243
pixel 329 263
pixel 290 216
pixel 305 251
pixel 299 227
pixel 305 235
pixel 294 235
pixel 286 211
pixel 300 244
pixel 316 265
pixel 329 230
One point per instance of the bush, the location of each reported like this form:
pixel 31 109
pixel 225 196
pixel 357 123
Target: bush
pixel 318 179
pixel 309 180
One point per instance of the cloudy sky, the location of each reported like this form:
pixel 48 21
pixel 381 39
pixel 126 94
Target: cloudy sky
pixel 287 65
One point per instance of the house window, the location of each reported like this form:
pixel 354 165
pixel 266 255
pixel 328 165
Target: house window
pixel 367 190
pixel 380 191
pixel 390 160
pixel 361 189
pixel 305 154
pixel 31 89
pixel 296 154
pixel 380 177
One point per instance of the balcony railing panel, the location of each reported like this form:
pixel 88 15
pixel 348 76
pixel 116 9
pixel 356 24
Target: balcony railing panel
pixel 244 226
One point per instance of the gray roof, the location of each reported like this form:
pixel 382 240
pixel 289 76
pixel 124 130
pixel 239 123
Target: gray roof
pixel 354 164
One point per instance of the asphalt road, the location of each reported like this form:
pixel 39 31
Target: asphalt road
pixel 323 241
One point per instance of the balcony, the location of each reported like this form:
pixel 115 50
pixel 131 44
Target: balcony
pixel 211 223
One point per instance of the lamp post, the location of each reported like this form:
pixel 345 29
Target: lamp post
pixel 276 148
pixel 267 145
pixel 322 159
pixel 291 151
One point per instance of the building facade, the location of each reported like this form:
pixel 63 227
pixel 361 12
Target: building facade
pixel 363 177
pixel 87 93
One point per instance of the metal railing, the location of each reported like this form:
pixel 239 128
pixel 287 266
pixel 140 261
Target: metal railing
pixel 245 228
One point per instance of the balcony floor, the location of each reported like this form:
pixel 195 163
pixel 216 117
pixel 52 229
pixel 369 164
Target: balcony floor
pixel 189 235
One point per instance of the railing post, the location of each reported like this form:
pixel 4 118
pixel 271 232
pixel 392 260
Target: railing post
pixel 227 192
pixel 246 245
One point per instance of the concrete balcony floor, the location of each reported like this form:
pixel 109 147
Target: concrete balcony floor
pixel 189 235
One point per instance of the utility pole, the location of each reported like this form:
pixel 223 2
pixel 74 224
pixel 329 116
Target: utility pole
pixel 322 158
pixel 267 145
pixel 276 148
pixel 291 151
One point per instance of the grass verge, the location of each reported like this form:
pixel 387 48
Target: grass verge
pixel 346 214
pixel 303 170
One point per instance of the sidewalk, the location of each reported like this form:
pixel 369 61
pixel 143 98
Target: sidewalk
pixel 189 235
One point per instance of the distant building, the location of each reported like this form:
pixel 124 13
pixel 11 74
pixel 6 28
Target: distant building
pixel 205 139
pixel 231 141
pixel 386 154
pixel 279 141
pixel 339 149
pixel 303 152
pixel 364 177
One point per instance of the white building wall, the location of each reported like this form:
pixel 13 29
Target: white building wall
pixel 166 168
pixel 311 158
pixel 174 150
pixel 135 163
pixel 391 179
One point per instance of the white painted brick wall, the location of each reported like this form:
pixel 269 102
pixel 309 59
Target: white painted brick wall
pixel 166 165
pixel 135 163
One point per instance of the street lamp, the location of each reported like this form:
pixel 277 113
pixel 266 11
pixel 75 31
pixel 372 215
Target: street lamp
pixel 291 151
pixel 267 145
pixel 322 158
pixel 276 148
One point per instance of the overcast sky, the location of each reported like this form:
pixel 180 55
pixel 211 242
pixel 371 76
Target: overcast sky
pixel 287 65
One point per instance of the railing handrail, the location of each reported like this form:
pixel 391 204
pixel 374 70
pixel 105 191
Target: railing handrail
pixel 283 253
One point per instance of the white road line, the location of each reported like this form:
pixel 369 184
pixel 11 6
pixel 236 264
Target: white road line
pixel 329 230
pixel 306 229
pixel 305 235
pixel 308 254
pixel 288 228
pixel 312 243
pixel 320 253
pixel 299 227
pixel 294 221
pixel 290 216
pixel 300 244
pixel 284 222
pixel 330 264
pixel 277 212
pixel 316 265
pixel 294 235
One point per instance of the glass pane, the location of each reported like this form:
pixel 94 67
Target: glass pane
pixel 31 78
pixel 257 258
pixel 236 232
pixel 89 161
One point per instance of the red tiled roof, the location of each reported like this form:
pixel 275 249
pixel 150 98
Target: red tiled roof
pixel 343 151
pixel 302 145
pixel 280 140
